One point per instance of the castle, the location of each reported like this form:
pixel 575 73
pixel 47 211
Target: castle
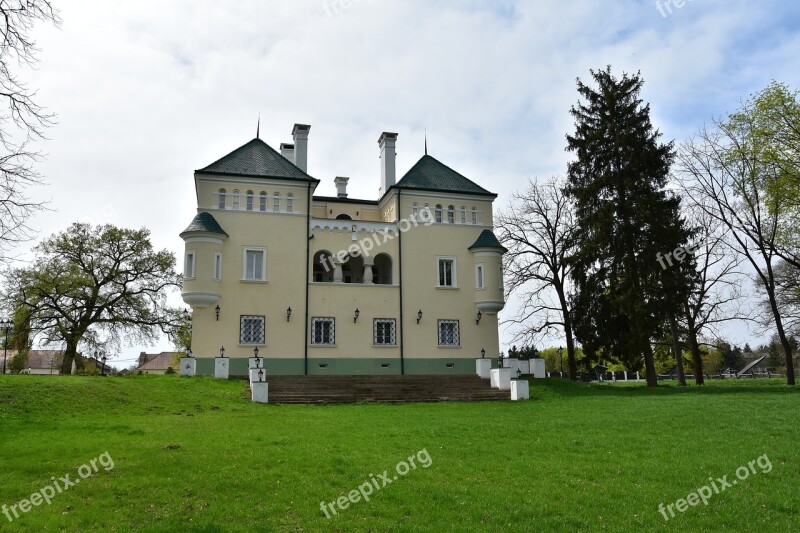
pixel 410 283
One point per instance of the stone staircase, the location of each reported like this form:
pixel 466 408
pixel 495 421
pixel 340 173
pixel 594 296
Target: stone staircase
pixel 349 389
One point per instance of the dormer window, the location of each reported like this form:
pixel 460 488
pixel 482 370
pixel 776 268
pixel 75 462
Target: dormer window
pixel 221 199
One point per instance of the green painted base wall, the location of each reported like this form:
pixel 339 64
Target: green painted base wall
pixel 348 367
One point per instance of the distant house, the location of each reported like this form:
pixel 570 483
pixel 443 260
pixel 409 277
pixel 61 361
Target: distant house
pixel 41 362
pixel 157 363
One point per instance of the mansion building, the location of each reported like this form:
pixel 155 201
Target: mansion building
pixel 410 283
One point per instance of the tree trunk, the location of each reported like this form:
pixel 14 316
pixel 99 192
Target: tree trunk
pixel 773 304
pixel 69 355
pixel 676 351
pixel 650 367
pixel 694 347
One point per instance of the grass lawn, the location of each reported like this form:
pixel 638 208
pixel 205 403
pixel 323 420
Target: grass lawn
pixel 195 455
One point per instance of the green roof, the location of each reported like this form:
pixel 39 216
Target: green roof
pixel 487 240
pixel 206 223
pixel 430 174
pixel 256 159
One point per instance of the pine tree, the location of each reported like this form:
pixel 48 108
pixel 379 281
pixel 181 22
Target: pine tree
pixel 630 270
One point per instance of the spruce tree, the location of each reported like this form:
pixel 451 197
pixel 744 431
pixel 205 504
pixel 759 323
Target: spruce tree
pixel 630 282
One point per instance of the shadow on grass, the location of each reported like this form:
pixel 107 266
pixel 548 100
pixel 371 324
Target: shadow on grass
pixel 564 387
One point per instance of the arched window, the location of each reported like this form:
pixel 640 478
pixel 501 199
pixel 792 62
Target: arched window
pixel 451 214
pixel 438 213
pixel 474 215
pixel 415 209
pixel 344 216
pixel 262 201
pixel 382 270
pixel 463 214
pixel 289 203
pixel 323 267
pixel 235 199
pixel 249 201
pixel 276 202
pixel 353 269
pixel 221 199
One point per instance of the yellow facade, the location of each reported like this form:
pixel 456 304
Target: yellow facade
pixel 389 256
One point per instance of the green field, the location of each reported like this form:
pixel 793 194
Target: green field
pixel 195 455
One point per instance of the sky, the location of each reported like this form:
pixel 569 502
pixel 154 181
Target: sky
pixel 146 92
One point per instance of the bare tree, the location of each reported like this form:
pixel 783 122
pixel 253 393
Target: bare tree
pixel 725 179
pixel 22 119
pixel 538 230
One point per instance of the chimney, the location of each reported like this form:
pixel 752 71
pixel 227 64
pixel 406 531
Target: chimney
pixel 300 136
pixel 287 151
pixel 341 186
pixel 386 145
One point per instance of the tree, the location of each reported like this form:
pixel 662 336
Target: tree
pixel 96 286
pixel 626 224
pixel 730 172
pixel 538 230
pixel 22 119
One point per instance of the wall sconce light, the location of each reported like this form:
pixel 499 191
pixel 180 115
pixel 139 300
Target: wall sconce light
pixel 260 374
pixel 216 312
pixel 355 315
pixel 519 373
pixel 188 352
pixel 500 361
pixel 478 318
pixel 222 351
pixel 288 313
pixel 483 352
pixel 255 354
pixel 419 316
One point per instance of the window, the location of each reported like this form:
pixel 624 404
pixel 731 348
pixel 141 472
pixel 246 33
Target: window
pixel 236 199
pixel 383 332
pixel 479 284
pixel 262 201
pixel 451 214
pixel 463 215
pixel 276 202
pixel 323 331
pixel 217 265
pixel 188 265
pixel 446 267
pixel 415 209
pixel 289 203
pixel 474 216
pixel 438 214
pixel 448 333
pixel 221 199
pixel 251 329
pixel 249 201
pixel 255 264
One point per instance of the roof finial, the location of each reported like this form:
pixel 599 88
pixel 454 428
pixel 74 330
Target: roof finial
pixel 258 127
pixel 426 141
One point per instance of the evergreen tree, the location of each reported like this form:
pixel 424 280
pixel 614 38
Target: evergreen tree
pixel 630 271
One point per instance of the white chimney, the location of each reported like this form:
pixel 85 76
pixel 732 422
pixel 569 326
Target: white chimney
pixel 386 145
pixel 341 186
pixel 287 151
pixel 300 136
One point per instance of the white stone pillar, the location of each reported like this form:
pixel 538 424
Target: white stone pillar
pixel 483 368
pixel 222 367
pixel 259 391
pixel 338 275
pixel 368 274
pixel 188 366
pixel 537 368
pixel 501 378
pixel 520 389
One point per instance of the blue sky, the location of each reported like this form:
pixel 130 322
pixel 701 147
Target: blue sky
pixel 146 92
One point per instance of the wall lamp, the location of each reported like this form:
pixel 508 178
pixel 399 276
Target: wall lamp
pixel 483 352
pixel 188 352
pixel 419 316
pixel 222 351
pixel 478 318
pixel 355 315
pixel 255 354
pixel 288 313
pixel 216 312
